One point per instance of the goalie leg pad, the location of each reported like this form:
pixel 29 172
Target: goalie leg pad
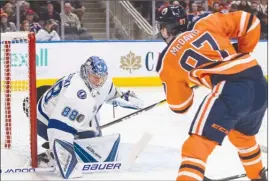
pixel 98 149
pixel 66 160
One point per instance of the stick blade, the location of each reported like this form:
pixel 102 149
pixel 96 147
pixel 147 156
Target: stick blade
pixel 138 148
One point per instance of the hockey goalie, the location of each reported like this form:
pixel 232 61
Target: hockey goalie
pixel 68 119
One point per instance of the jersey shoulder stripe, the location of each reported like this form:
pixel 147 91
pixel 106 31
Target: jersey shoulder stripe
pixel 161 57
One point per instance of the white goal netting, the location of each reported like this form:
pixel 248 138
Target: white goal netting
pixel 15 92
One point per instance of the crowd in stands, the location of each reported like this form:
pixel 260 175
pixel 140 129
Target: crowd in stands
pixel 45 18
pixel 195 8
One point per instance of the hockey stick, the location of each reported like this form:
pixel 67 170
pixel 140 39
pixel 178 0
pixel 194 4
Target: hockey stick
pixel 137 112
pixel 46 144
pixel 94 167
pixel 264 149
pixel 228 178
pixel 133 114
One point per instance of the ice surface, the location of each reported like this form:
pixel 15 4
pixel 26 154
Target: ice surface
pixel 161 159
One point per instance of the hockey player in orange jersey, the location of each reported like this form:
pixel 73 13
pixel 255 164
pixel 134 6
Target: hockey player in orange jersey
pixel 201 54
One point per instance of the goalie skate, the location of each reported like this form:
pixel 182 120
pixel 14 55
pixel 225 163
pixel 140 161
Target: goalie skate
pixel 45 159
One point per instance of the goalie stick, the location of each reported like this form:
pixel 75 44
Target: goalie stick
pixel 46 144
pixel 94 167
pixel 137 112
pixel 133 114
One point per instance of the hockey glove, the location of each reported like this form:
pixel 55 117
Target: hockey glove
pixel 128 100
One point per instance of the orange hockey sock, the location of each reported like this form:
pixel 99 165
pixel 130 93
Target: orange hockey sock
pixel 195 152
pixel 249 153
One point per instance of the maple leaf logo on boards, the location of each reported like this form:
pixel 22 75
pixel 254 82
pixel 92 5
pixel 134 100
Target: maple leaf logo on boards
pixel 130 62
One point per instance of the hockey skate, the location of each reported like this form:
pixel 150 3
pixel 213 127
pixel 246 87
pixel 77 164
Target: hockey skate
pixel 263 176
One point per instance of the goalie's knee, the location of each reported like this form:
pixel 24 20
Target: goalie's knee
pixel 195 152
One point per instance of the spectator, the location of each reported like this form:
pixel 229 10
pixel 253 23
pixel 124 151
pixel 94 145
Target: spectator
pixel 9 10
pixel 221 8
pixel 78 9
pixel 165 4
pixel 47 33
pixel 254 6
pixel 236 2
pixel 7 26
pixel 25 26
pixel 50 13
pixel 38 6
pixel 201 7
pixel 216 7
pixel 175 3
pixel 34 26
pixel 224 7
pixel 254 9
pixel 193 13
pixel 264 26
pixel 14 3
pixel 187 5
pixel 26 9
pixel 244 6
pixel 263 6
pixel 233 8
pixel 70 19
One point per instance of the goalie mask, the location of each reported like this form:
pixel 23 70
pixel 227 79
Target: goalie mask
pixel 94 72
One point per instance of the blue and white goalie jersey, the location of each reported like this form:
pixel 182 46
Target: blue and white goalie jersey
pixel 70 106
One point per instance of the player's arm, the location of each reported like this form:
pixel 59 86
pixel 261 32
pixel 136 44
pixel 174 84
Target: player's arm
pixel 243 26
pixel 125 99
pixel 179 96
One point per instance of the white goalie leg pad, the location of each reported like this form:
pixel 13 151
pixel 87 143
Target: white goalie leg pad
pixel 98 149
pixel 66 160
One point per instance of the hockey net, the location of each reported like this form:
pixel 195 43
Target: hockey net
pixel 18 99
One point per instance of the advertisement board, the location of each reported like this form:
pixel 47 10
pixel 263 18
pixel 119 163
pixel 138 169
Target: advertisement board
pixel 129 63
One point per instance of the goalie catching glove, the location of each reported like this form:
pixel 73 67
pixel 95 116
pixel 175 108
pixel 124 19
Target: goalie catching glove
pixel 126 99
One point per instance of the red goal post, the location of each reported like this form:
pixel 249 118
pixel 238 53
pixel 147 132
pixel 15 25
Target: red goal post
pixel 18 80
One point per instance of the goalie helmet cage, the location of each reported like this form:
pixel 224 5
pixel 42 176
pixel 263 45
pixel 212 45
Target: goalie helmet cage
pixel 18 82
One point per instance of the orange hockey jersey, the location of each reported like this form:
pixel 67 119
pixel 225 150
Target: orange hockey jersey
pixel 194 56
